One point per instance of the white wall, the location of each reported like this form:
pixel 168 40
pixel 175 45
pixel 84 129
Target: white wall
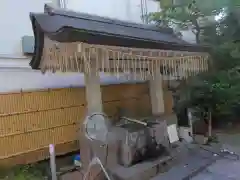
pixel 15 73
pixel 26 79
pixel 15 23
pixel 129 10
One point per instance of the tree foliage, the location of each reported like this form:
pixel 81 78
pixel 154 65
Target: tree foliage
pixel 183 16
pixel 219 89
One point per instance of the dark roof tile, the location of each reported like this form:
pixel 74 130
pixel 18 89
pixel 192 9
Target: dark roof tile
pixel 68 26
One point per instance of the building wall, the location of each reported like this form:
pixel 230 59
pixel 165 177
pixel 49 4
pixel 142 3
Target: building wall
pixel 129 10
pixel 14 67
pixel 15 72
pixel 12 30
pixel 15 23
pixel 12 80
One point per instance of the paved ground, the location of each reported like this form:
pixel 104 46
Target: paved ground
pixel 200 164
pixel 221 170
pixel 72 176
pixel 224 169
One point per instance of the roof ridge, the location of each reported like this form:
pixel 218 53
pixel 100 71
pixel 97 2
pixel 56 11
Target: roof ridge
pixel 83 15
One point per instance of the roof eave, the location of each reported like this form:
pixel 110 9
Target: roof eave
pixel 99 38
pixel 38 44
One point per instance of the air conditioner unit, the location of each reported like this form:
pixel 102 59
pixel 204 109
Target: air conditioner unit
pixel 28 45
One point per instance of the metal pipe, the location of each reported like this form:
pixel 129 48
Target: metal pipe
pixel 135 121
pixel 5 56
pixel 53 162
pixel 61 4
pixel 95 161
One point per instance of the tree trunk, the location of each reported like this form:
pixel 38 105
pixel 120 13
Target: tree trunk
pixel 197 30
pixel 209 123
pixel 198 37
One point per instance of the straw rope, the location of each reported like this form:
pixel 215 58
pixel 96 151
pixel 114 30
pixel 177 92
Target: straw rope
pixel 141 63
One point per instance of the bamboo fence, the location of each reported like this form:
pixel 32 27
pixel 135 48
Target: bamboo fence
pixel 30 121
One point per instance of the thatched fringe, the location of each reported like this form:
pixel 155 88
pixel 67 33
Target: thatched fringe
pixel 141 63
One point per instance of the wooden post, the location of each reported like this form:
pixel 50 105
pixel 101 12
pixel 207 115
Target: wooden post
pixel 53 162
pixel 94 104
pixel 156 93
pixel 93 91
pixel 209 123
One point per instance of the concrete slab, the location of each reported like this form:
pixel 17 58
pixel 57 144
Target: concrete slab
pixel 226 168
pixel 210 176
pixel 72 176
pixel 192 162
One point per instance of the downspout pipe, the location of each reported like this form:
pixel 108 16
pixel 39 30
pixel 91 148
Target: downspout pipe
pixel 61 4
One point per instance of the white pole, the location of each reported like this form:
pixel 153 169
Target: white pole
pixel 52 162
pixel 60 3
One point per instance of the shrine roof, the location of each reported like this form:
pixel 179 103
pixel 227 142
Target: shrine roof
pixel 67 26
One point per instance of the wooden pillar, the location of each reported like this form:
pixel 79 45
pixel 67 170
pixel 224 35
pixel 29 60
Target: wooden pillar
pixel 94 104
pixel 93 92
pixel 156 94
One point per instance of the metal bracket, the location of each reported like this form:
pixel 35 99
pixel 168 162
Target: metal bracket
pixel 95 161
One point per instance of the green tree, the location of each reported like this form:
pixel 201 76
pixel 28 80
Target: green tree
pixel 218 90
pixel 185 15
